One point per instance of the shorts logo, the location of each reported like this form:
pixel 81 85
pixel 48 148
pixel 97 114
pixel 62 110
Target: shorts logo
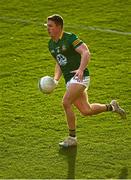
pixel 62 60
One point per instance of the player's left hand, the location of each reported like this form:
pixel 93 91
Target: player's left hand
pixel 56 82
pixel 78 74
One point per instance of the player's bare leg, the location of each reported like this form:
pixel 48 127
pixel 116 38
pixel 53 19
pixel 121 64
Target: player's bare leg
pixel 86 108
pixel 72 93
pixel 76 95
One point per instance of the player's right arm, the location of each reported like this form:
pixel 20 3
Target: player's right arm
pixel 57 73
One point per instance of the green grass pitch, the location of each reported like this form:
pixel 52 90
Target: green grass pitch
pixel 31 123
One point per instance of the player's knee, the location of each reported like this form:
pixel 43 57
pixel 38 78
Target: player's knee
pixel 86 112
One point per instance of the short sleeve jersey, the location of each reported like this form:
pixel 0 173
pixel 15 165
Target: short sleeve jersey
pixel 64 53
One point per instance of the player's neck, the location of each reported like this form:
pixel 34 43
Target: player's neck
pixel 58 36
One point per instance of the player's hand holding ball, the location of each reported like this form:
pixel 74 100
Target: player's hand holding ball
pixel 47 84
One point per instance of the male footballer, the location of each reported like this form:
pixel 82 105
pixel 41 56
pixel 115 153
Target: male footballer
pixel 72 58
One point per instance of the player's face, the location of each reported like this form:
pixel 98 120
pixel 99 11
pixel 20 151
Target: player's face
pixel 52 28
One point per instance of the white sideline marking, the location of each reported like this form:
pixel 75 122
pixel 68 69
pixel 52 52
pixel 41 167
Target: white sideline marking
pixel 80 27
pixel 102 30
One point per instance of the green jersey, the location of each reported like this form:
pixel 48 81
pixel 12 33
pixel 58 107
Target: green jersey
pixel 64 53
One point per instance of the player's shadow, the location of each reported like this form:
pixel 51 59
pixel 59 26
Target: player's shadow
pixel 70 153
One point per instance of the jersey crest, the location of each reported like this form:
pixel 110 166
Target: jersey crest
pixel 62 60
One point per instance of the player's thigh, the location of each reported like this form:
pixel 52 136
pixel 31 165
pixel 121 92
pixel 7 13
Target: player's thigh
pixel 73 92
pixel 82 102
